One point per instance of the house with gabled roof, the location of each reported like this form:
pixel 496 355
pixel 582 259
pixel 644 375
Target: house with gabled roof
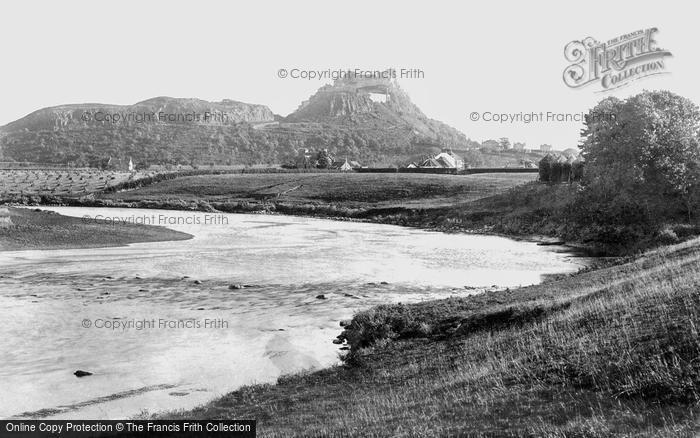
pixel 343 166
pixel 449 159
pixel 431 163
pixel 444 160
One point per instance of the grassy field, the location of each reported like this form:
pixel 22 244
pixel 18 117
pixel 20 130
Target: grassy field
pixel 22 229
pixel 420 200
pixel 346 189
pixel 608 352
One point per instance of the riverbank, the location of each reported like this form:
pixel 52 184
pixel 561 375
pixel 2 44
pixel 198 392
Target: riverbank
pixel 23 229
pixel 448 203
pixel 511 205
pixel 607 352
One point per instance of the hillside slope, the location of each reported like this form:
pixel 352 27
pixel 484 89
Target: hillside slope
pixel 369 104
pixel 163 110
pixel 345 118
pixel 159 130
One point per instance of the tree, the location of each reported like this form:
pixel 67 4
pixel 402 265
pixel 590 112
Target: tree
pixel 644 150
pixel 473 159
pixel 504 143
pixel 545 168
pixel 490 145
pixel 324 159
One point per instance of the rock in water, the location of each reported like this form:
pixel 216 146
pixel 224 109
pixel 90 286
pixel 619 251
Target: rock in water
pixel 235 286
pixel 321 297
pixel 81 373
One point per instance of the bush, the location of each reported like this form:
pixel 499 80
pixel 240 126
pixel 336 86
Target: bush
pixel 667 236
pixel 385 322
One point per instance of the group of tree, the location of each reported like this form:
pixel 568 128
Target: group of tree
pixel 642 166
pixel 560 169
pixel 324 160
pixel 305 159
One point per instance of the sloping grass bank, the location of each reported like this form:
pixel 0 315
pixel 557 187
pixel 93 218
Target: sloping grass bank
pixel 613 351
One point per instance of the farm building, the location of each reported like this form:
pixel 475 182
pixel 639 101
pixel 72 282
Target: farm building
pixel 450 159
pixel 343 166
pixel 431 163
pixel 444 160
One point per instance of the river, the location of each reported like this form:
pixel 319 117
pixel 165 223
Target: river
pixel 159 327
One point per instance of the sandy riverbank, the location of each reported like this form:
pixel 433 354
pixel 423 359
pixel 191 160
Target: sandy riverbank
pixel 24 229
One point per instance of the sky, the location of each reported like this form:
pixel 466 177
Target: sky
pixel 495 57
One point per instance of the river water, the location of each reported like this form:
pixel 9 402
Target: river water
pixel 160 329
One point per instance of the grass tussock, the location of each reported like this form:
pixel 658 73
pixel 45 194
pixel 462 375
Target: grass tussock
pixel 610 352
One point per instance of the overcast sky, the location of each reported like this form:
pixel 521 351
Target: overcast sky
pixel 504 57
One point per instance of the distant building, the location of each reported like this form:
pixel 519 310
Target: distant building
pixel 431 163
pixel 444 163
pixel 518 146
pixel 546 148
pixel 449 159
pixel 444 160
pixel 343 166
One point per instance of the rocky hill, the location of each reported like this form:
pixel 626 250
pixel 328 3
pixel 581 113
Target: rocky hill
pixel 369 120
pixel 370 104
pixel 166 110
